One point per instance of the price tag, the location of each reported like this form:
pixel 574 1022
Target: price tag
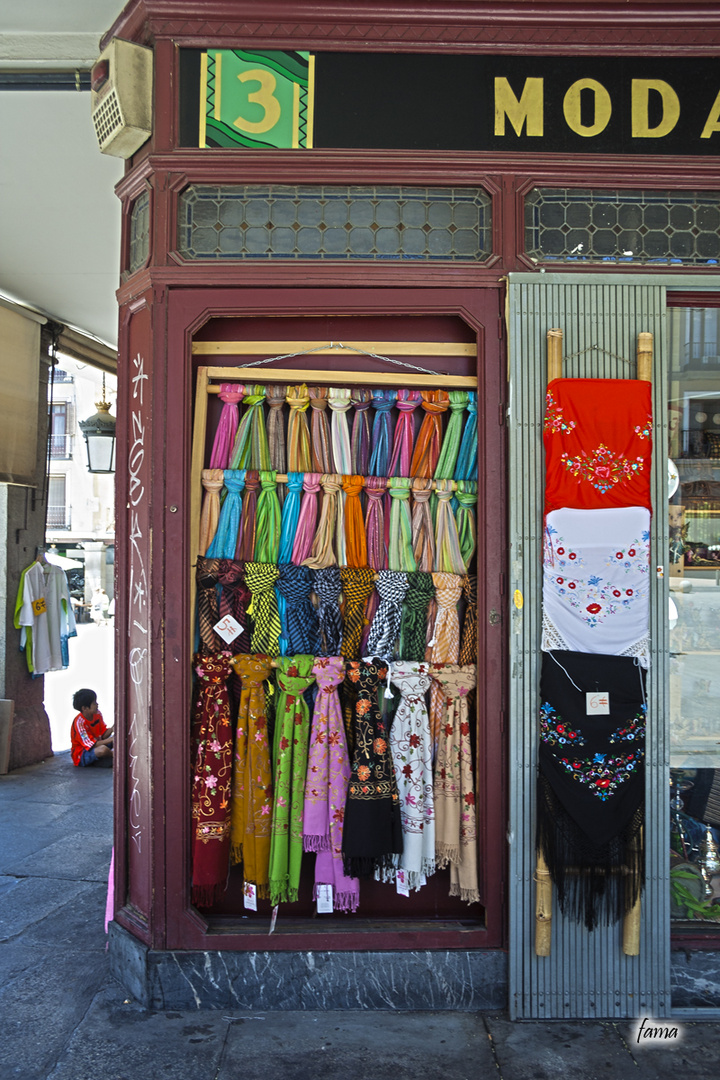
pixel 39 606
pixel 324 899
pixel 228 629
pixel 401 883
pixel 250 896
pixel 597 703
pixel 273 919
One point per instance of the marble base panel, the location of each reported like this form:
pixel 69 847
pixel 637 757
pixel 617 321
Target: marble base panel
pixel 695 978
pixel 461 980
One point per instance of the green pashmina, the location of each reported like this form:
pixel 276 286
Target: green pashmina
pixel 290 754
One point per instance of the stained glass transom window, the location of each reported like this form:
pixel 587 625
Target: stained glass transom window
pixel 140 232
pixel 645 227
pixel 323 222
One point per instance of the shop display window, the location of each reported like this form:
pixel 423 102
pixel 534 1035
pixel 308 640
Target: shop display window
pixel 694 558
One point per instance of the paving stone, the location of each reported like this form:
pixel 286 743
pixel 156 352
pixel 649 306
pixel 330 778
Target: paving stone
pixel 337 1045
pixel 583 1050
pixel 26 902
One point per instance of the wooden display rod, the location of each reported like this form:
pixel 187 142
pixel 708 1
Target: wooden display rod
pixel 333 378
pixel 334 348
pixel 282 478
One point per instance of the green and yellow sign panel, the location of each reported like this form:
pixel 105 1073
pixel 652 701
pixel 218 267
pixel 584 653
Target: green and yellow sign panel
pixel 258 100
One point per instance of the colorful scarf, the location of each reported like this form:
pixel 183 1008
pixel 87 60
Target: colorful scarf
pixel 308 517
pixel 230 394
pixel 427 445
pixel 455 820
pixel 391 587
pixel 275 397
pixel 326 583
pixel 445 642
pixel 290 751
pixel 360 440
pixel 206 578
pixel 212 745
pixel 320 448
pixel 303 630
pixel 411 748
pixel 252 788
pixel 591 783
pixel 212 481
pixel 407 403
pixel 299 458
pixel 383 401
pixel 373 831
pixel 326 788
pixel 227 536
pixel 414 615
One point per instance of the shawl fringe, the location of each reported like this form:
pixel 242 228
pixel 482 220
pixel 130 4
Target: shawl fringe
pixel 597 883
pixel 445 854
pixel 468 896
pixel 236 852
pixel 364 866
pixel 342 901
pixel 205 896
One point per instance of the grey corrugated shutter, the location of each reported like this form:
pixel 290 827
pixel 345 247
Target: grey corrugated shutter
pixel 587 974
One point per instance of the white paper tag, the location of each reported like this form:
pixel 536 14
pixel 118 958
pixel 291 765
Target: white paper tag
pixel 597 703
pixel 273 919
pixel 423 880
pixel 228 628
pixel 401 883
pixel 250 896
pixel 325 899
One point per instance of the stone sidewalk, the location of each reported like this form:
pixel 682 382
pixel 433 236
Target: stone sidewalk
pixel 63 1017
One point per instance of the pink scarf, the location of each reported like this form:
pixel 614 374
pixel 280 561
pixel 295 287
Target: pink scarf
pixel 326 787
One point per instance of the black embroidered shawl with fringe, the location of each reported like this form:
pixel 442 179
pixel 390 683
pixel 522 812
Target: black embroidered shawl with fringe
pixel 591 783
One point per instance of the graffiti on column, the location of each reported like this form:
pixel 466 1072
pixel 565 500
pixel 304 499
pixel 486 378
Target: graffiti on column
pixel 138 620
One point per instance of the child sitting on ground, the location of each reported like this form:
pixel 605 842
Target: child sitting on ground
pixel 91 740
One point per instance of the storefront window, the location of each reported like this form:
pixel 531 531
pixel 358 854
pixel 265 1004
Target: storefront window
pixel 647 227
pixel 694 559
pixel 334 222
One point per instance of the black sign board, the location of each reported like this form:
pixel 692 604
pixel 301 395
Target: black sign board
pixel 569 105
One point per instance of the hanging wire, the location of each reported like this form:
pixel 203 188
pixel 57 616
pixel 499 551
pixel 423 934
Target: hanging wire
pixel 340 345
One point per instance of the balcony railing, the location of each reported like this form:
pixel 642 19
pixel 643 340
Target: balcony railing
pixel 61 446
pixel 57 517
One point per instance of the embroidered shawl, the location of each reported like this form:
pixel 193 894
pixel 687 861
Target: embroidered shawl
pixel 290 749
pixel 252 788
pixel 591 783
pixel 411 748
pixel 598 443
pixel 212 753
pixel 454 791
pixel 595 581
pixel 326 787
pixel 373 832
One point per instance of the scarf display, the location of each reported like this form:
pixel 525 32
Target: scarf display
pixel 290 753
pixel 252 787
pixel 372 832
pixel 346 582
pixel 454 787
pixel 595 581
pixel 212 778
pixel 411 748
pixel 591 783
pixel 328 777
pixel 598 443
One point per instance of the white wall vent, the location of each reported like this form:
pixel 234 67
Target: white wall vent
pixel 121 93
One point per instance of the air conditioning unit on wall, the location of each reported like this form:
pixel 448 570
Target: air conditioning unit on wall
pixel 121 97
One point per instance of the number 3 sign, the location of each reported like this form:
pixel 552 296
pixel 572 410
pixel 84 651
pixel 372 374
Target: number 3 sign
pixel 256 99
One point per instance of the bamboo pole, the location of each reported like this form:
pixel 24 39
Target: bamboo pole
pixel 293 376
pixel 197 457
pixel 543 907
pixel 554 354
pixel 644 356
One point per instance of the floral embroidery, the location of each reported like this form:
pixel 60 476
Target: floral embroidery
pixel 556 733
pixel 595 597
pixel 603 774
pixel 645 432
pixel 554 417
pixel 602 468
pixel 635 729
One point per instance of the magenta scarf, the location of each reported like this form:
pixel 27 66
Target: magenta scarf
pixel 307 520
pixel 231 394
pixel 326 787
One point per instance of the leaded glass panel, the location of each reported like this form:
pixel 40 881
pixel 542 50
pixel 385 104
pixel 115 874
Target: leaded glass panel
pixel 636 227
pixel 332 222
pixel 140 232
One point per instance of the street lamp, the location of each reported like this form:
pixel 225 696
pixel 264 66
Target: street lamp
pixel 99 433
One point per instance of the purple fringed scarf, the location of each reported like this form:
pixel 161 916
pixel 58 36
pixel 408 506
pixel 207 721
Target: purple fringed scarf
pixel 326 787
pixel 231 394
